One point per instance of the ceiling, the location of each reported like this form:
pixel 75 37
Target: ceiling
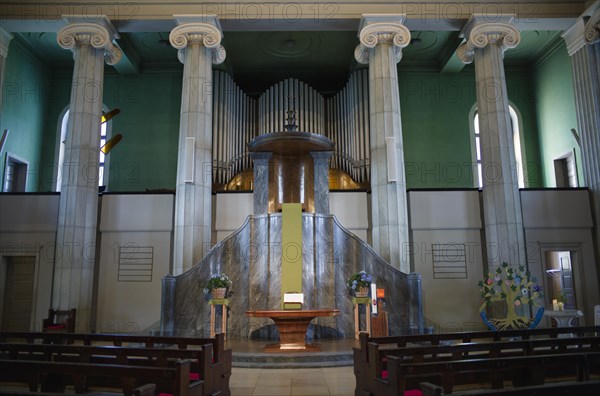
pixel 257 60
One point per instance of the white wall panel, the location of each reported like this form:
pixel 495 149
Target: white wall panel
pixel 137 212
pixel 556 208
pixel 444 209
pixel 28 213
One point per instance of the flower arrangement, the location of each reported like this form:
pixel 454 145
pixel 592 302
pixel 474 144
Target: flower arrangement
pixel 358 280
pixel 217 281
pixel 515 287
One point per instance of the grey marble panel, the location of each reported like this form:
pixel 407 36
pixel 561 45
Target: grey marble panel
pixel 308 260
pixel 261 182
pixel 259 271
pixel 321 180
pixel 274 284
pixel 324 272
pixel 251 257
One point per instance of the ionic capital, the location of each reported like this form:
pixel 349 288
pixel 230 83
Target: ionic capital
pixel 202 33
pixel 99 34
pixel 480 34
pixel 381 29
pixel 592 28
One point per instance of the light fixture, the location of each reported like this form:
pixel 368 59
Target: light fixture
pixel 111 143
pixel 3 139
pixel 109 115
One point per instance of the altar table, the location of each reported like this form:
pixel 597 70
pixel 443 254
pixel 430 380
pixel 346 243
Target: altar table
pixel 564 318
pixel 292 326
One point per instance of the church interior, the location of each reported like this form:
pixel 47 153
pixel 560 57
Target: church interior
pixel 147 146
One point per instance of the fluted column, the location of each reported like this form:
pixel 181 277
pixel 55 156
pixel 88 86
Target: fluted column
pixel 198 40
pixel 321 180
pixel 92 44
pixel 5 38
pixel 261 182
pixel 486 43
pixel 382 38
pixel 583 44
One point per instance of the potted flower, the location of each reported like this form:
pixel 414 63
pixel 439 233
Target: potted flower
pixel 359 284
pixel 217 285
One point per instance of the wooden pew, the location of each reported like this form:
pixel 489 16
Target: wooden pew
pixel 563 388
pixel 55 375
pixel 438 353
pixel 220 361
pixel 201 364
pixel 574 366
pixel 362 359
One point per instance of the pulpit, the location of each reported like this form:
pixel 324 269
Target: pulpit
pixel 292 326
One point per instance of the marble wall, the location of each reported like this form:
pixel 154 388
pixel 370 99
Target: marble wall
pixel 251 257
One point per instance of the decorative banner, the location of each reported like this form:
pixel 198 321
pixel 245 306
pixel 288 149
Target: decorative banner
pixel 291 248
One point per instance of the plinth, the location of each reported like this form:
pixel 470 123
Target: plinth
pixel 292 326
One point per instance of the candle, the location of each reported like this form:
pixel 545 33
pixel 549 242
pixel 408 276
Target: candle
pixel 555 304
pixel 561 306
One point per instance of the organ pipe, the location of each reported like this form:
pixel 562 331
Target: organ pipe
pixel 238 118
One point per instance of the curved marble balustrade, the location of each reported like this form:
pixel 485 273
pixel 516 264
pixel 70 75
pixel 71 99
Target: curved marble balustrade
pixel 251 257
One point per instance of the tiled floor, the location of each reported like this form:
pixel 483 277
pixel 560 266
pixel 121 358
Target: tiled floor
pixel 328 381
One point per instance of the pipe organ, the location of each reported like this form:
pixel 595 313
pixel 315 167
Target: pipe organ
pixel 348 127
pixel 238 118
pixel 291 95
pixel 234 125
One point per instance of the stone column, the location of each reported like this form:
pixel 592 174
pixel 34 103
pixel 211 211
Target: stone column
pixel 583 44
pixel 321 180
pixel 92 44
pixel 198 40
pixel 486 43
pixel 382 38
pixel 5 38
pixel 261 182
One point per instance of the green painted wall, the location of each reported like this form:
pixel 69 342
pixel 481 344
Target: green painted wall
pixel 435 118
pixel 437 131
pixel 555 108
pixel 23 110
pixel 146 158
pixel 435 127
pixel 521 94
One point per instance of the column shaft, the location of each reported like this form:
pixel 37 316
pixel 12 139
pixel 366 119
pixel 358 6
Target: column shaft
pixel 586 76
pixel 485 43
pixel 197 39
pixel 5 39
pixel 382 39
pixel 78 205
pixel 501 199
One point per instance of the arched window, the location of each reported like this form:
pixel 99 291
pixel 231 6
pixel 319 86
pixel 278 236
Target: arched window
pixel 102 161
pixel 517 169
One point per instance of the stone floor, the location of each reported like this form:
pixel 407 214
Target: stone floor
pixel 326 381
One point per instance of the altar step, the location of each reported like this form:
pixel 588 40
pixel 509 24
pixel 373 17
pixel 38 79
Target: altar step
pixel 292 359
pixel 250 354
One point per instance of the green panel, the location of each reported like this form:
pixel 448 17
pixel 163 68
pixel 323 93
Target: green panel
pixel 521 94
pixel 291 251
pixel 146 158
pixel 556 112
pixel 24 96
pixel 437 132
pixel 435 126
